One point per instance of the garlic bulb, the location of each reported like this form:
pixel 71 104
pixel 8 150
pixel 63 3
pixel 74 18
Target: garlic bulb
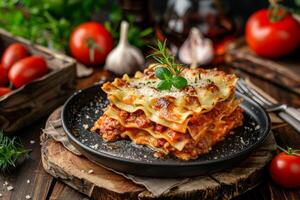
pixel 196 49
pixel 125 58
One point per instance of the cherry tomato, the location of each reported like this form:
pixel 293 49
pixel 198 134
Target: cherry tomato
pixel 90 43
pixel 27 70
pixel 12 54
pixel 285 170
pixel 3 76
pixel 272 39
pixel 4 90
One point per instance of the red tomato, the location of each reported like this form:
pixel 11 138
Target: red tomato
pixel 26 70
pixel 90 43
pixel 220 47
pixel 272 39
pixel 3 76
pixel 4 90
pixel 12 54
pixel 285 170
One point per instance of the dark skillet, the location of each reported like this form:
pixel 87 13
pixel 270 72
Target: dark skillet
pixel 86 106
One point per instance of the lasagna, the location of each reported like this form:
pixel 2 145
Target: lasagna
pixel 184 123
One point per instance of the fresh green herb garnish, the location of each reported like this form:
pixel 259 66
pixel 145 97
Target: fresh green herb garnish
pixel 11 152
pixel 170 73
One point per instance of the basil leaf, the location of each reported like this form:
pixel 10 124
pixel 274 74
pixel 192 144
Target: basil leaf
pixel 164 85
pixel 162 73
pixel 179 82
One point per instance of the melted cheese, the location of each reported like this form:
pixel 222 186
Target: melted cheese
pixel 111 112
pixel 171 108
pixel 194 118
pixel 143 138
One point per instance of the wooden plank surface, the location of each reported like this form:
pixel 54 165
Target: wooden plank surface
pixel 284 71
pixel 285 136
pixel 53 189
pixel 63 192
pixel 31 169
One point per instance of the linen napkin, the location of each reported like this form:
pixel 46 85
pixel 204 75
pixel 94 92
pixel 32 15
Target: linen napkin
pixel 154 185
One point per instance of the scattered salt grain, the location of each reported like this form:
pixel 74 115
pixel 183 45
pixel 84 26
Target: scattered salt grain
pixel 1 195
pixel 84 140
pixel 95 146
pixel 242 141
pixel 9 188
pixel 28 181
pixel 85 126
pixel 91 171
pixel 5 183
pixel 83 171
pixel 32 141
pixel 28 197
pixel 257 127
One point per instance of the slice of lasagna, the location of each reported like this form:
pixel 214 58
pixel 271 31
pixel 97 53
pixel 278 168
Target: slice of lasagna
pixel 184 123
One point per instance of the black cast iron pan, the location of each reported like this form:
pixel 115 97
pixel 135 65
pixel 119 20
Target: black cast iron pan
pixel 83 108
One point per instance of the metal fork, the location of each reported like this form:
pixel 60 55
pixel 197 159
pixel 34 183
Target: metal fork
pixel 287 113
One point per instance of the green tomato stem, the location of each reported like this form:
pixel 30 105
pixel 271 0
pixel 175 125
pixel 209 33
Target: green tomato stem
pixel 276 11
pixel 92 46
pixel 289 151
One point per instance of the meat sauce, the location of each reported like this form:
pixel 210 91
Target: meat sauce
pixel 111 130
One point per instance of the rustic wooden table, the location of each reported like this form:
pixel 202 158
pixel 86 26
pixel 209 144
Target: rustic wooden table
pixel 31 179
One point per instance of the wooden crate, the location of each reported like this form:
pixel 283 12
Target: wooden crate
pixel 40 97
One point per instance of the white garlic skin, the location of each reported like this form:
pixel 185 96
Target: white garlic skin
pixel 125 58
pixel 196 49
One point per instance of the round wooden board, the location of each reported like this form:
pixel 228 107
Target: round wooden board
pixel 106 185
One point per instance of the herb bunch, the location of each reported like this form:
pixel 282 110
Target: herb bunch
pixel 50 22
pixel 169 74
pixel 11 152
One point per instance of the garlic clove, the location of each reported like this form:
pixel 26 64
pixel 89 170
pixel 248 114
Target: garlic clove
pixel 196 49
pixel 125 58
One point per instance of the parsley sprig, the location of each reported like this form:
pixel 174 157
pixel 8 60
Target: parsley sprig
pixel 12 152
pixel 169 74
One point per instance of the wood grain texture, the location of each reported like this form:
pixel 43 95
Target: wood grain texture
pixel 40 97
pixel 104 184
pixel 285 137
pixel 63 192
pixel 32 170
pixel 284 72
